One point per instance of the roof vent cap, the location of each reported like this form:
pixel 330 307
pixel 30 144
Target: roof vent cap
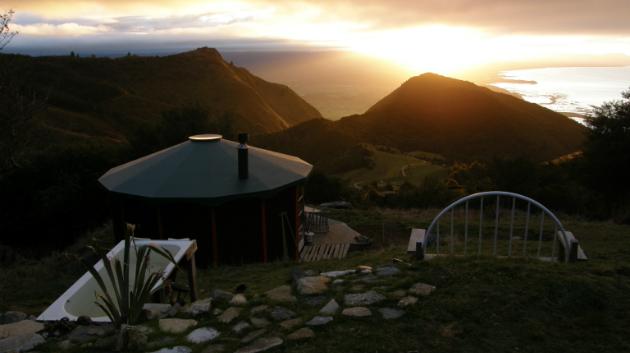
pixel 205 138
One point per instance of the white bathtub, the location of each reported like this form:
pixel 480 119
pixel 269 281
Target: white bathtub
pixel 79 299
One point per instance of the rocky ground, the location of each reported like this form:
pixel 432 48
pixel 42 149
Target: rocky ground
pixel 238 321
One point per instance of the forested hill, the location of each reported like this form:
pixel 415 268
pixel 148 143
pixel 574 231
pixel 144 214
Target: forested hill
pixel 99 97
pixel 437 114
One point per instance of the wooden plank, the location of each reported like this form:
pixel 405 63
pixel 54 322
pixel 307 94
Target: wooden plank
pixel 336 251
pixel 417 235
pixel 312 250
pixel 326 250
pixel 329 250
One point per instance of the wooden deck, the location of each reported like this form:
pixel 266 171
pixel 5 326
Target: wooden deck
pixel 324 251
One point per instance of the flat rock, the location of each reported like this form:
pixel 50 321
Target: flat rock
pixel 202 335
pixel 312 285
pixel 221 295
pixel 253 335
pixel 20 343
pixel 330 308
pixel 369 279
pixel 319 321
pixel 24 327
pixel 391 313
pixel 154 311
pixel 360 299
pixel 259 322
pixel 364 269
pixel 229 315
pixel 301 334
pixel 176 349
pixel 10 317
pixel 259 309
pixel 357 311
pixel 397 294
pixel 338 281
pixel 238 299
pixel 386 271
pixel 316 300
pixel 291 323
pixel 422 289
pixel 241 326
pixel 340 273
pixel 281 294
pixel 173 325
pixel 199 307
pixel 279 313
pixel 261 345
pixel 83 334
pixel 407 301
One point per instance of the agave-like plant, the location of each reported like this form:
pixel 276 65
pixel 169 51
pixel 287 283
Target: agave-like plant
pixel 123 302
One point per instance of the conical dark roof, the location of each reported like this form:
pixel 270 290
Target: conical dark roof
pixel 204 170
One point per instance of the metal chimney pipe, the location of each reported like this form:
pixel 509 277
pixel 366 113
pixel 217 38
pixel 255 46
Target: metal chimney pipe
pixel 243 163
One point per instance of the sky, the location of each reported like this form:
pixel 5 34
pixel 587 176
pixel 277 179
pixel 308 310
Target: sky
pixel 441 36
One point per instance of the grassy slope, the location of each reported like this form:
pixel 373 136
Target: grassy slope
pixel 481 305
pixel 388 167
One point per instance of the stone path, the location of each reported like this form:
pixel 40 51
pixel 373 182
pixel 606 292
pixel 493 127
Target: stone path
pixel 243 322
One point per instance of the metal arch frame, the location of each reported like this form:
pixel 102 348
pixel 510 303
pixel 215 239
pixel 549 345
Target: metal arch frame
pixel 497 193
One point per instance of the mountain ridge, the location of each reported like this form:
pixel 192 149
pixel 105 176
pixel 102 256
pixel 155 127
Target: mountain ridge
pixel 455 118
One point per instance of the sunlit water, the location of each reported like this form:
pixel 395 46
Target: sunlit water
pixel 567 89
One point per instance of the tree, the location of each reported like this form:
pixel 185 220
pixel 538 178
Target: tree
pixel 5 32
pixel 18 100
pixel 607 154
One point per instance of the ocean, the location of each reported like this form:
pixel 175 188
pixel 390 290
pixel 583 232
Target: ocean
pixel 567 89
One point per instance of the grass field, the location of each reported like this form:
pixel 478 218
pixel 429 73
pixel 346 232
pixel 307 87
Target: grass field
pixel 395 167
pixel 481 304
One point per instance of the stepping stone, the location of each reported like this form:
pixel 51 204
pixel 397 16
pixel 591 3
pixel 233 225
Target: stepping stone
pixel 261 345
pixel 229 315
pixel 357 288
pixel 154 311
pixel 239 300
pixel 398 294
pixel 259 322
pixel 422 289
pixel 241 326
pixel 387 271
pixel 21 343
pixel 198 307
pixel 259 309
pixel 319 321
pixel 289 324
pixel 301 334
pixel 316 300
pixel 367 298
pixel 217 311
pixel 335 274
pixel 338 281
pixel 281 294
pixel 221 295
pixel 312 285
pixel 407 301
pixel 369 279
pixel 24 327
pixel 364 269
pixel 357 311
pixel 330 308
pixel 279 313
pixel 83 334
pixel 391 313
pixel 202 335
pixel 177 349
pixel 176 325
